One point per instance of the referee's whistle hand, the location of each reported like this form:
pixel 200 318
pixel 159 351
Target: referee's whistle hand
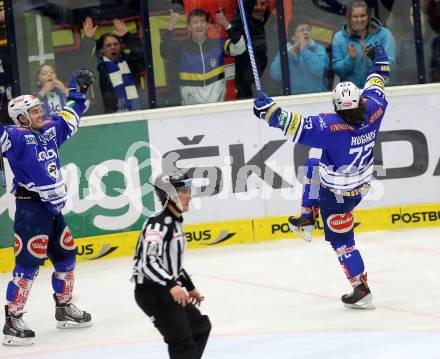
pixel 179 295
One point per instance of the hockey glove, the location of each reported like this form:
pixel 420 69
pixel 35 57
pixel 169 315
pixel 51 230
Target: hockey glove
pixel 266 109
pixel 74 95
pixel 379 58
pixel 85 79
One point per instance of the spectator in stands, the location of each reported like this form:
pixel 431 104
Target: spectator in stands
pixel 432 8
pixel 308 60
pixel 406 65
pixel 50 90
pixel 435 60
pixel 349 44
pixel 5 76
pixel 201 59
pixel 212 7
pixel 257 14
pixel 121 66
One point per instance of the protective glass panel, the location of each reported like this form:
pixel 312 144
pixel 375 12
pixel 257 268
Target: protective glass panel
pixel 310 28
pixel 55 38
pixel 5 75
pixel 402 24
pixel 200 54
pixel 190 63
pixel 345 32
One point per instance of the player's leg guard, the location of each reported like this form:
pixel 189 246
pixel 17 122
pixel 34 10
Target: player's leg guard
pixel 310 196
pixel 15 329
pixel 19 287
pixel 62 284
pixel 353 266
pixel 67 314
pixel 304 224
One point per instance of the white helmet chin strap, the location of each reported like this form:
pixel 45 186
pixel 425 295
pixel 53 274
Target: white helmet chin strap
pixel 27 118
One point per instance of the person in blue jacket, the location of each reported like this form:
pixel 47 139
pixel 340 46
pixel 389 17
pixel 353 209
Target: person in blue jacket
pixel 347 138
pixel 308 60
pixel 349 45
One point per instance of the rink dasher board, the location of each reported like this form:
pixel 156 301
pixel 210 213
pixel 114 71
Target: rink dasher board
pixel 107 165
pixel 247 231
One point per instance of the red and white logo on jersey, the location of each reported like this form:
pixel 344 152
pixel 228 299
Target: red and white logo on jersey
pixel 66 240
pixel 37 246
pixel 341 223
pixel 18 244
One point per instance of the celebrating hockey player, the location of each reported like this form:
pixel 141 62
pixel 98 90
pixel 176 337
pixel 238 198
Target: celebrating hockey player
pixel 164 290
pixel 347 139
pixel 31 147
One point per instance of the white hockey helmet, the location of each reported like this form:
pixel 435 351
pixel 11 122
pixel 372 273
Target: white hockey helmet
pixel 20 106
pixel 346 96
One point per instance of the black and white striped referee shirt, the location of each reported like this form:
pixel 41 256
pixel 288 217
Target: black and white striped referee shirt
pixel 160 252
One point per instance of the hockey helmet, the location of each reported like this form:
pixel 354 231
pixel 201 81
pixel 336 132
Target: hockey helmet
pixel 20 106
pixel 167 185
pixel 346 96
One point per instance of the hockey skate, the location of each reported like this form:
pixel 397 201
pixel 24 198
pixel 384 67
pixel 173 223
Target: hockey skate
pixel 15 331
pixel 304 224
pixel 69 316
pixel 360 298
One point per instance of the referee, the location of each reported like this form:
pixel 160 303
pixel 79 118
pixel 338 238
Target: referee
pixel 163 290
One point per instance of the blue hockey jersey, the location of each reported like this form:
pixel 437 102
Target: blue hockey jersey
pixel 346 164
pixel 34 157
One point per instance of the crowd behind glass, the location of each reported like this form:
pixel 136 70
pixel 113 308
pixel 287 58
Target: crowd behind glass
pixel 198 49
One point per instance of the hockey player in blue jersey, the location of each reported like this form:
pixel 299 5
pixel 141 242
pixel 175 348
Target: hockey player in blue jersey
pixel 32 150
pixel 347 139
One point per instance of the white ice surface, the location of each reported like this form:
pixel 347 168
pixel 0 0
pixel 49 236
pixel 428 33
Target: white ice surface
pixel 276 300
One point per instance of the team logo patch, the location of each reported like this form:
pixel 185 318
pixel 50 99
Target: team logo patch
pixel 37 246
pixel 18 244
pixel 294 124
pixel 283 117
pixel 67 116
pixel 66 240
pixel 46 155
pixel 52 169
pixel 48 135
pixel 341 223
pixel 376 81
pixel 376 115
pixel 341 127
pixel 30 139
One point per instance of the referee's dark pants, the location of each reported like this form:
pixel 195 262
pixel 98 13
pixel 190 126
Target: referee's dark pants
pixel 184 329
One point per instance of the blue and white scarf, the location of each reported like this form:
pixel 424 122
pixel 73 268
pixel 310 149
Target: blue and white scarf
pixel 123 84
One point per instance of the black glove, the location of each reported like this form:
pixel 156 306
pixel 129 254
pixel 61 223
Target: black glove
pixel 85 78
pixel 378 56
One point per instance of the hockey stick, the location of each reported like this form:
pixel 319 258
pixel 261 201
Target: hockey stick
pixel 2 170
pixel 249 46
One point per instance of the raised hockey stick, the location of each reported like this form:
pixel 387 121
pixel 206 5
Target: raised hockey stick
pixel 2 170
pixel 249 45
